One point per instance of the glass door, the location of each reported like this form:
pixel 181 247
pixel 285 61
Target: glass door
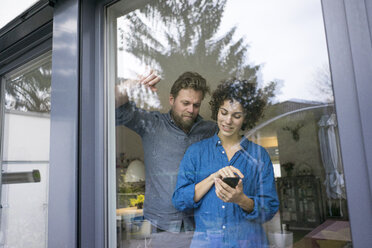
pixel 280 47
pixel 25 131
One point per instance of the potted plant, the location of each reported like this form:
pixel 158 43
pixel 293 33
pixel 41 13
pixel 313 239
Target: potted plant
pixel 137 202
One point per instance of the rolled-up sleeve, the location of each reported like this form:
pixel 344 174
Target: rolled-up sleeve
pixel 139 120
pixel 266 202
pixel 183 196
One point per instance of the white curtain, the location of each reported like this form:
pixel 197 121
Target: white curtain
pixel 335 186
pixel 337 177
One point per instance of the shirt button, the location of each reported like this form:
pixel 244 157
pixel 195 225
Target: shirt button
pixel 223 152
pixel 223 206
pixel 223 227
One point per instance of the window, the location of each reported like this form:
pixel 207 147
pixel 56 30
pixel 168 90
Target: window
pixel 281 47
pixel 25 144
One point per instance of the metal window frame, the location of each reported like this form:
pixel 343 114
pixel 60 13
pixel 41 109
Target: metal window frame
pixel 25 32
pixel 37 30
pixel 64 146
pixel 93 203
pixel 348 33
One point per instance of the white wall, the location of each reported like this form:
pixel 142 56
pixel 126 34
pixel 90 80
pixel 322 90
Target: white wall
pixel 26 137
pixel 25 206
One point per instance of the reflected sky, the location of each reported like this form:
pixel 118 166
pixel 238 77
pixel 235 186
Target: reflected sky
pixel 10 9
pixel 286 38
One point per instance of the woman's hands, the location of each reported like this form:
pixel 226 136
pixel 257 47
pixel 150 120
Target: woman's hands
pixel 204 186
pixel 224 191
pixel 228 171
pixel 229 194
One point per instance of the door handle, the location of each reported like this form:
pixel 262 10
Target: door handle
pixel 21 177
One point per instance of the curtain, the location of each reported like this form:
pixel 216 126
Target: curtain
pixel 329 150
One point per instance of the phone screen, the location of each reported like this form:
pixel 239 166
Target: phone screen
pixel 231 181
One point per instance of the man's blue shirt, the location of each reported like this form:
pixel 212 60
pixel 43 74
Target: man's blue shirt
pixel 234 226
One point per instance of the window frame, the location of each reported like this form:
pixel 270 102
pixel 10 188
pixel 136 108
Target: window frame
pixel 350 58
pixel 64 154
pixel 28 36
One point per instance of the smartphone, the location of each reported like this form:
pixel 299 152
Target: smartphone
pixel 231 181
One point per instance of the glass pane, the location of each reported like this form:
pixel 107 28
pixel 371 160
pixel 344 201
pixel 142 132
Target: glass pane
pixel 277 51
pixel 25 154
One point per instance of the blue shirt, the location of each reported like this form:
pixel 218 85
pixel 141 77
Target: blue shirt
pixel 227 224
pixel 164 145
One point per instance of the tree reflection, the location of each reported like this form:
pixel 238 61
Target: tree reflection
pixel 177 36
pixel 322 87
pixel 30 91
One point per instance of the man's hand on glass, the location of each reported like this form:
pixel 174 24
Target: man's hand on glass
pixel 150 80
pixel 125 90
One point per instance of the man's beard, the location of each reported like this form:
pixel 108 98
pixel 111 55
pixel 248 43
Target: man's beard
pixel 184 125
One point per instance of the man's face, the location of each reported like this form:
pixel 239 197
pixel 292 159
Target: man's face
pixel 185 107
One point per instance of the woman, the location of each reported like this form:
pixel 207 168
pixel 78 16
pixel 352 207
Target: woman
pixel 226 216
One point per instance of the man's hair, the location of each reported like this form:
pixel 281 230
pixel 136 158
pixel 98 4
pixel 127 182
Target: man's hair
pixel 189 80
pixel 246 93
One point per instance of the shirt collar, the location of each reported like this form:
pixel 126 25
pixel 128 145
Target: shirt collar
pixel 244 142
pixel 169 117
pixel 216 139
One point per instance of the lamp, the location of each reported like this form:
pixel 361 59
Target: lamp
pixel 135 172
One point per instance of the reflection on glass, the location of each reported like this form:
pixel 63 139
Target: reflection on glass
pixel 25 154
pixel 278 45
pixel 29 91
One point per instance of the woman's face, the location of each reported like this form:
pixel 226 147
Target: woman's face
pixel 230 118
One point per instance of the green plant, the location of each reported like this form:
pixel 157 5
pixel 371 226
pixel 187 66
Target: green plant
pixel 137 202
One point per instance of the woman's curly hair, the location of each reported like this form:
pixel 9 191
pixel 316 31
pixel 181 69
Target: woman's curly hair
pixel 253 100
